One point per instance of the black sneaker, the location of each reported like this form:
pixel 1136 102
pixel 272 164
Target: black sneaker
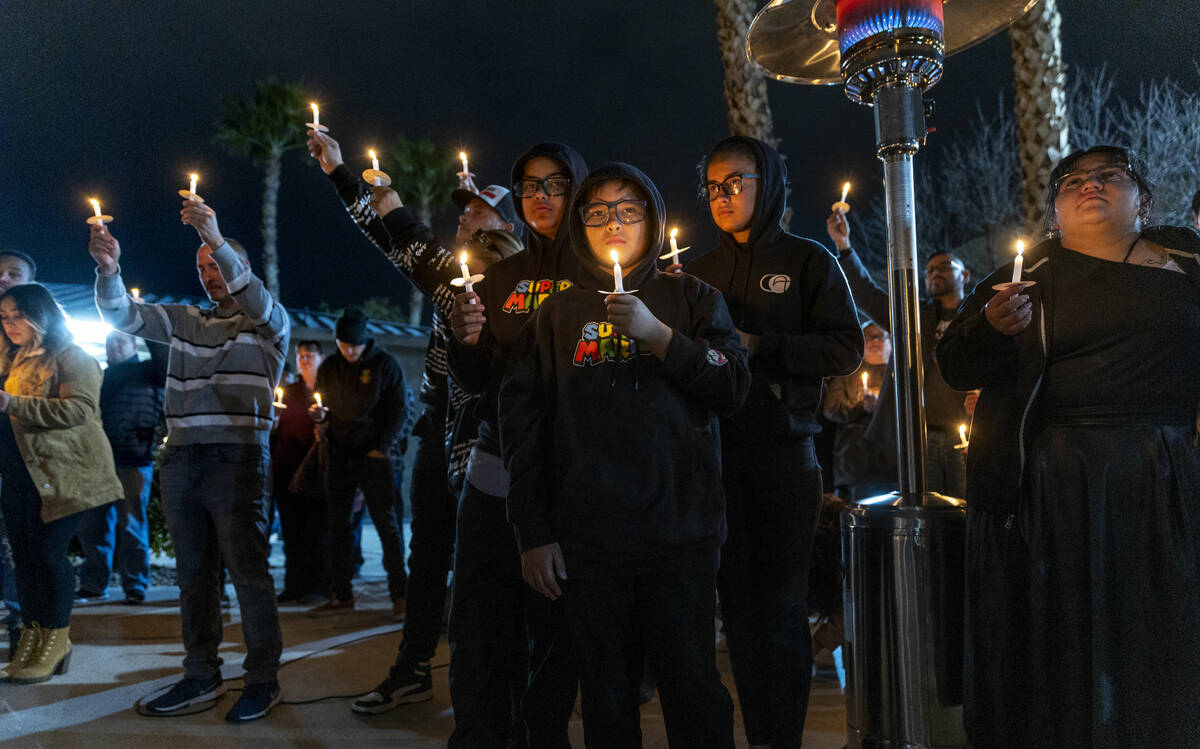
pixel 186 694
pixel 410 686
pixel 89 596
pixel 135 598
pixel 256 701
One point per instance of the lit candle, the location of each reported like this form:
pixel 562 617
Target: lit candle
pixel 374 159
pixel 317 397
pixel 842 206
pixel 674 244
pixel 316 115
pixel 279 398
pixel 135 292
pixel 962 434
pixel 463 155
pixel 95 206
pixel 618 285
pixel 864 380
pixel 845 191
pixel 466 274
pixel 193 178
pixel 1019 263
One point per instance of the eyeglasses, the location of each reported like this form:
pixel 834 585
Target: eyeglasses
pixel 942 268
pixel 552 186
pixel 625 211
pixel 1073 181
pixel 731 186
pixel 875 336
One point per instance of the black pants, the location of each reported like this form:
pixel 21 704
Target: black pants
pixel 431 552
pixel 374 477
pixel 512 677
pixel 668 616
pixel 305 542
pixel 773 500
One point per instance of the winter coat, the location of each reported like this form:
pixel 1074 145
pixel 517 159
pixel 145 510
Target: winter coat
pixel 55 414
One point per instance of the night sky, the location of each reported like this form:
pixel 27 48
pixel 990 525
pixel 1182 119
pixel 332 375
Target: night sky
pixel 118 100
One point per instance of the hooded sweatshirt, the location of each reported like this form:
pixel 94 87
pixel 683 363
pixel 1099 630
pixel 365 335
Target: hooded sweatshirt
pixel 612 453
pixel 366 401
pixel 790 291
pixel 510 291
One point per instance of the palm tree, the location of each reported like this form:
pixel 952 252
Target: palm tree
pixel 424 176
pixel 263 130
pixel 745 86
pixel 1041 103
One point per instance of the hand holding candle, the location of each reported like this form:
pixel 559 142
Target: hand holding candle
pixel 842 206
pixel 673 255
pixel 316 120
pixel 190 193
pixel 99 217
pixel 373 175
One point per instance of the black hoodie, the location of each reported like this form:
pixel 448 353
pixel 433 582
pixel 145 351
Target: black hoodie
pixel 366 401
pixel 511 290
pixel 611 452
pixel 791 292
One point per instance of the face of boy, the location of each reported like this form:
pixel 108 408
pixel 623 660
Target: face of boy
pixel 733 214
pixel 629 240
pixel 478 215
pixel 541 211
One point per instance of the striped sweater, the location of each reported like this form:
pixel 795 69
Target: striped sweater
pixel 223 366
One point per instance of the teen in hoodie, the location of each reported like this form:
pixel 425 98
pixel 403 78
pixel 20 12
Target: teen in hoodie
pixel 794 313
pixel 491 608
pixel 608 417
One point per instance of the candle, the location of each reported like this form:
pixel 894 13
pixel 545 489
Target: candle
pixel 374 159
pixel 864 380
pixel 95 206
pixel 316 115
pixel 1019 263
pixel 962 434
pixel 193 179
pixel 279 398
pixel 466 274
pixel 463 155
pixel 618 285
pixel 317 397
pixel 135 292
pixel 845 191
pixel 674 244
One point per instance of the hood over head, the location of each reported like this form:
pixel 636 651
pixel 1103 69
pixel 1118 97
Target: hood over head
pixel 771 200
pixel 645 266
pixel 572 163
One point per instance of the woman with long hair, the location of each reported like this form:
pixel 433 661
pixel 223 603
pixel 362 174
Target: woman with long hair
pixel 55 462
pixel 1083 479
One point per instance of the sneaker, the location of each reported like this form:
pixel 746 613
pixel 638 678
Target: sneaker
pixel 398 610
pixel 186 694
pixel 87 596
pixel 256 701
pixel 415 685
pixel 134 598
pixel 332 606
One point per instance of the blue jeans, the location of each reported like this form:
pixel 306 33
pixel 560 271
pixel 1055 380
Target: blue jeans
pixel 123 525
pixel 214 499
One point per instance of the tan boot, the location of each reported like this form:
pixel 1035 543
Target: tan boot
pixel 25 647
pixel 51 657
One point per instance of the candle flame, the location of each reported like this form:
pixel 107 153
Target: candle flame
pixel 95 204
pixel 135 291
pixel 962 433
pixel 614 256
pixel 462 259
pixel 279 394
pixel 317 397
pixel 371 153
pixel 1020 247
pixel 674 231
pixel 864 379
pixel 462 155
pixel 316 111
pixel 194 179
pixel 845 191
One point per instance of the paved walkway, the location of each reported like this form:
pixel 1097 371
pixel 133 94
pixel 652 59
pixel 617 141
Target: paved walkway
pixel 123 653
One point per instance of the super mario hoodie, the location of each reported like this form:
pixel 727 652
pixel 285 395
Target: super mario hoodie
pixel 611 452
pixel 791 292
pixel 510 292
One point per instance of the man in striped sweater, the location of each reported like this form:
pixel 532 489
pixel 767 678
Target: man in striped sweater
pixel 225 360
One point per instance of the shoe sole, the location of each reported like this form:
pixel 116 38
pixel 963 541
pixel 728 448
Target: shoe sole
pixel 409 698
pixel 229 718
pixel 212 696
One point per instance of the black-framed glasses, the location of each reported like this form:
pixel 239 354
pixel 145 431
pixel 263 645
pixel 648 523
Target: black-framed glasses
pixel 601 212
pixel 731 185
pixel 1073 181
pixel 553 186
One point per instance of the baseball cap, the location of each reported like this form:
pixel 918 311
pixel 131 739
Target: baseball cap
pixel 499 198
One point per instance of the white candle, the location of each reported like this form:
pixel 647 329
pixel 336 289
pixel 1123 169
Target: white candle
pixel 135 292
pixel 374 159
pixel 316 115
pixel 962 434
pixel 317 397
pixel 193 179
pixel 1019 263
pixel 95 206
pixel 466 274
pixel 674 244
pixel 279 398
pixel 463 155
pixel 618 285
pixel 845 191
pixel 864 380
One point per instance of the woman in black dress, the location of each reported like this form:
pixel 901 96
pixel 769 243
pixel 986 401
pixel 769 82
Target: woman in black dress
pixel 1083 479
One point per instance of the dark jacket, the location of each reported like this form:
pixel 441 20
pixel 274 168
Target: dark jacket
pixel 1010 369
pixel 791 292
pixel 611 452
pixel 875 304
pixel 131 406
pixel 510 291
pixel 366 401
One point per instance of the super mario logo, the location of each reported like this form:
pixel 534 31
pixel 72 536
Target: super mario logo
pixel 599 343
pixel 527 295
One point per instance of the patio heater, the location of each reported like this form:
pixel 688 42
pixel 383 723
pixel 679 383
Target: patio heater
pixel 904 552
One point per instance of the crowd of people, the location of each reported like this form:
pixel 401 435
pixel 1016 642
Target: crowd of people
pixel 614 455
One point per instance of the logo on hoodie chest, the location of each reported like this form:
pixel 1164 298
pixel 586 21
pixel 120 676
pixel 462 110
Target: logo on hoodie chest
pixel 598 342
pixel 776 283
pixel 527 295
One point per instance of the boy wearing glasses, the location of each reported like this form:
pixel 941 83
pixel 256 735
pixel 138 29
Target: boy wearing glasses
pixel 794 314
pixel 504 681
pixel 608 418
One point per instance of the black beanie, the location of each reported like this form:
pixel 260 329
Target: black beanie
pixel 352 327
